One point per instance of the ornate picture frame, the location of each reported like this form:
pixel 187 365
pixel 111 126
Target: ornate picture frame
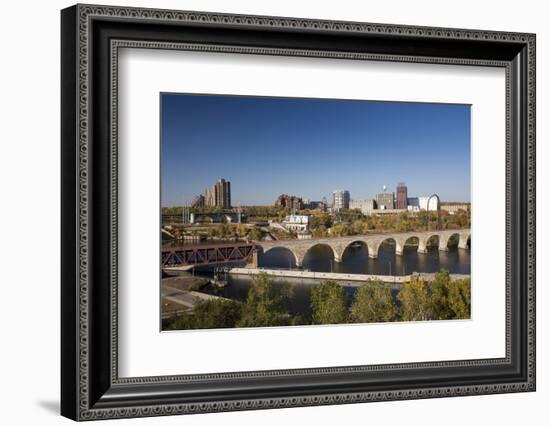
pixel 91 37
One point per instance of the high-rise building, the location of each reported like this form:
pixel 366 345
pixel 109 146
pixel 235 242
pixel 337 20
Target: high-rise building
pixel 384 200
pixel 340 199
pixel 291 202
pixel 401 196
pixel 219 195
pixel 198 201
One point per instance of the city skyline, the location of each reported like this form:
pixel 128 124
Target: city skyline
pixel 311 147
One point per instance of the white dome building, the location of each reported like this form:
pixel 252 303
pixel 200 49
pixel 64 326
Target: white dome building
pixel 430 203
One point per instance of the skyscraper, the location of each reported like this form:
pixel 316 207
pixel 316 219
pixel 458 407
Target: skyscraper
pixel 219 195
pixel 340 199
pixel 401 196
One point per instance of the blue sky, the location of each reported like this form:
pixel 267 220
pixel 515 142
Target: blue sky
pixel 311 147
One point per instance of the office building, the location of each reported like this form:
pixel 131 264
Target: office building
pixel 340 199
pixel 384 201
pixel 401 196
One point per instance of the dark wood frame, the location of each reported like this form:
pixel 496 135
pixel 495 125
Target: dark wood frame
pixel 90 386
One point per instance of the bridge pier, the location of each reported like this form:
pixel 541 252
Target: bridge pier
pixel 253 261
pixel 372 247
pixel 463 243
pixel 422 247
pixel 399 246
pixel 443 244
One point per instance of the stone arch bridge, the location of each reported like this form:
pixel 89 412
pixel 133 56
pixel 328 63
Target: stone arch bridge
pixel 299 248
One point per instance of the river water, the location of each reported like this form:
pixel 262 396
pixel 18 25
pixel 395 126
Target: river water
pixel 355 260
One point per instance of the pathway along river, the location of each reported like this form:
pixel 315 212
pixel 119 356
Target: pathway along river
pixel 355 261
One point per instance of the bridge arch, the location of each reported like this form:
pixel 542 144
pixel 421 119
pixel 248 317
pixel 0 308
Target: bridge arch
pixel 345 247
pixel 424 241
pixel 374 246
pixel 408 240
pixel 336 255
pixel 273 249
pixel 464 240
pixel 449 240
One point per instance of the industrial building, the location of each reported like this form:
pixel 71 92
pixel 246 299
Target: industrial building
pixel 366 206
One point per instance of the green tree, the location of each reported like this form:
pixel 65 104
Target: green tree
pixel 322 219
pixel 439 296
pixel 341 230
pixel 422 218
pixel 460 298
pixel 225 230
pixel 241 230
pixel 415 300
pixel 255 234
pixel 328 304
pixel 214 313
pixel 214 232
pixel 404 223
pixel 440 299
pixel 265 304
pixel 373 303
pixel 319 232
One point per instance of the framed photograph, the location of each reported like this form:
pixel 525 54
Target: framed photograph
pixel 263 212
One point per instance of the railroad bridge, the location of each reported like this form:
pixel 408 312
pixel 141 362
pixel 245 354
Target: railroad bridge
pixel 299 248
pixel 206 254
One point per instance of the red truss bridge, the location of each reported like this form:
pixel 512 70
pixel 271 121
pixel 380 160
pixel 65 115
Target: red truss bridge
pixel 206 254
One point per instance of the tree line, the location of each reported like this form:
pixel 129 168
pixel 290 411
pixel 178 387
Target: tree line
pixel 267 304
pixel 353 222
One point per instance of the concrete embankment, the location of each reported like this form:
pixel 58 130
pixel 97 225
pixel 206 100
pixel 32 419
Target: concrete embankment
pixel 351 279
pixel 178 297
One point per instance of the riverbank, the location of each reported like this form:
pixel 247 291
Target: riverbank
pixel 179 295
pixel 353 279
